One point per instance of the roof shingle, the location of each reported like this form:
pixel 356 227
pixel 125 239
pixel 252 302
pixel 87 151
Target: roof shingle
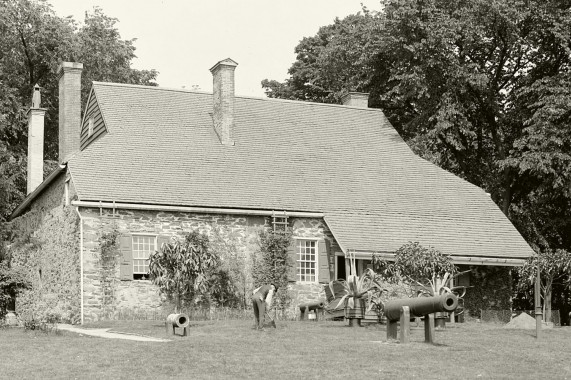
pixel 348 163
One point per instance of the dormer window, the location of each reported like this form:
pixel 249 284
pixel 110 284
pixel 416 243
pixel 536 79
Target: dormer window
pixel 90 127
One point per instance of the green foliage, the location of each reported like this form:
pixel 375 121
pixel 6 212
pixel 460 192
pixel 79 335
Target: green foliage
pixel 109 255
pixel 11 282
pixel 34 41
pixel 554 266
pixel 182 269
pixel 236 277
pixel 272 264
pixel 415 264
pixel 369 284
pixel 480 88
pixel 223 290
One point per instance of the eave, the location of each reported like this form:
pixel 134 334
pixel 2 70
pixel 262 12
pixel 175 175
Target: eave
pixel 34 194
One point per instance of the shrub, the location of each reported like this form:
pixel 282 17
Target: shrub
pixel 11 282
pixel 182 269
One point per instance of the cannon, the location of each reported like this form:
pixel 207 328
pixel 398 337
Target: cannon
pixel 174 321
pixel 403 309
pixel 305 308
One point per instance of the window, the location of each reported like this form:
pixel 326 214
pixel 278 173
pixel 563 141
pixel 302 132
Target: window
pixel 306 251
pixel 143 246
pixel 90 127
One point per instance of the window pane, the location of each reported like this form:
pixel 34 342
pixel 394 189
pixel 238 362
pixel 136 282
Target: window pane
pixel 143 246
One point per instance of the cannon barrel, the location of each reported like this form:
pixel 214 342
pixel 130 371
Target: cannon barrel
pixel 177 320
pixel 312 306
pixel 421 306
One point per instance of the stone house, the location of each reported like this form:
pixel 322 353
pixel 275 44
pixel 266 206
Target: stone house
pixel 154 163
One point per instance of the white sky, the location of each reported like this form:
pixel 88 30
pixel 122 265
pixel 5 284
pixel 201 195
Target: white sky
pixel 184 39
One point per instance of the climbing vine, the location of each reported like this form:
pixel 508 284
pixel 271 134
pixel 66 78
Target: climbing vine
pixel 272 264
pixel 108 261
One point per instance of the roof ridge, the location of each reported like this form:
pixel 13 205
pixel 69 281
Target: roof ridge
pixel 142 86
pixel 250 97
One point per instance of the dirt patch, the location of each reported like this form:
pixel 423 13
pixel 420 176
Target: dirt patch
pixel 526 322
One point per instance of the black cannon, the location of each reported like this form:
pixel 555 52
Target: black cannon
pixel 403 309
pixel 305 308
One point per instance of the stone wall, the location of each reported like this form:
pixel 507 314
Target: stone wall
pixel 46 244
pixel 235 237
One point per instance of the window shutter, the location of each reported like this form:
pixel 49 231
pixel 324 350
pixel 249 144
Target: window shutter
pixel 292 269
pixel 162 240
pixel 323 261
pixel 126 267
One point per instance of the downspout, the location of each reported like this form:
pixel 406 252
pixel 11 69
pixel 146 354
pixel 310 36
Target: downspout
pixel 80 261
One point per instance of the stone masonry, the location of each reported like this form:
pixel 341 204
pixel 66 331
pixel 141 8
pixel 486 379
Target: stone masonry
pixel 236 231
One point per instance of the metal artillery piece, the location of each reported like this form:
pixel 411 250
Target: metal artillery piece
pixel 404 309
pixel 175 321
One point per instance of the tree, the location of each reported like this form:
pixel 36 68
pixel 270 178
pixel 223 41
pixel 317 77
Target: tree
pixel 480 88
pixel 554 266
pixel 34 41
pixel 182 269
pixel 419 266
pixel 334 61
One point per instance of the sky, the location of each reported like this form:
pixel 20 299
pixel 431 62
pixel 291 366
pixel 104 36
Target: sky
pixel 184 39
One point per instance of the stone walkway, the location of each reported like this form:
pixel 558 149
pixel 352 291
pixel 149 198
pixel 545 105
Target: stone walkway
pixel 104 333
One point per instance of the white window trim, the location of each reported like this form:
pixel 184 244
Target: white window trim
pixel 316 240
pixel 90 126
pixel 140 234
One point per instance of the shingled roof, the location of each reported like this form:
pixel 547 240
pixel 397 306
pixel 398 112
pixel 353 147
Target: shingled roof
pixel 348 163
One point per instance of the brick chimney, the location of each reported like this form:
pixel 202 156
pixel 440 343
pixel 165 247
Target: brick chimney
pixel 35 142
pixel 356 99
pixel 69 109
pixel 223 94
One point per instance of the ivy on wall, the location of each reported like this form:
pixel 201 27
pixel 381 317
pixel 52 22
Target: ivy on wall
pixel 45 247
pixel 108 262
pixel 491 289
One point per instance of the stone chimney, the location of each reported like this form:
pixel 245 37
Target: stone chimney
pixel 223 94
pixel 69 109
pixel 356 99
pixel 36 116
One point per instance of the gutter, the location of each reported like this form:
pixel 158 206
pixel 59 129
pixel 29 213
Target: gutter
pixel 200 210
pixel 462 260
pixel 34 194
pixel 80 261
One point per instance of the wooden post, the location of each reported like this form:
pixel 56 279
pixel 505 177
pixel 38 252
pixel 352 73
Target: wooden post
pixel 405 325
pixel 429 328
pixel 391 329
pixel 452 314
pixel 538 311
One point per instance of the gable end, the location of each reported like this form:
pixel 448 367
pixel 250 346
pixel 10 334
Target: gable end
pixel 93 125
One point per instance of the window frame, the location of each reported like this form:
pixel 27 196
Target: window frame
pixel 154 238
pixel 90 125
pixel 298 261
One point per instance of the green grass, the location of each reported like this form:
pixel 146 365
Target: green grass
pixel 325 350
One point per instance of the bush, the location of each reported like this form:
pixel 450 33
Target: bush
pixel 182 269
pixel 11 282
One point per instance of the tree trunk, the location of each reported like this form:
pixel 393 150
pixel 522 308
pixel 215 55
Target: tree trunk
pixel 547 304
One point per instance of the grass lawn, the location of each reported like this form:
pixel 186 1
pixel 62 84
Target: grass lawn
pixel 325 350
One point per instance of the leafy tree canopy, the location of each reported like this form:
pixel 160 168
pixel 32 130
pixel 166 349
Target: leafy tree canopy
pixel 480 88
pixel 34 41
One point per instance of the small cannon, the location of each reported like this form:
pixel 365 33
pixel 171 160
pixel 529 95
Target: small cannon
pixel 403 309
pixel 177 320
pixel 305 308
